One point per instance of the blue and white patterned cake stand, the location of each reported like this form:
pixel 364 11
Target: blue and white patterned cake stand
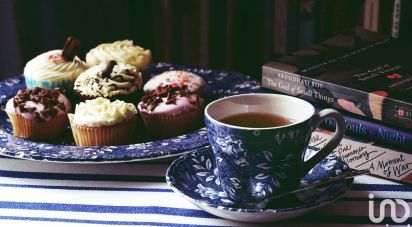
pixel 194 176
pixel 219 84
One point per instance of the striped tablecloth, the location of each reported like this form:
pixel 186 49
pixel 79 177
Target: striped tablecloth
pixel 54 194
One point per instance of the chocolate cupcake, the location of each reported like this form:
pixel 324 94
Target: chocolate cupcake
pixel 170 111
pixel 38 113
pixel 176 78
pixel 109 80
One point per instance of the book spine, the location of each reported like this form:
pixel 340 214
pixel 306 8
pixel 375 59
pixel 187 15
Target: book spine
pixel 333 95
pixel 396 17
pixel 368 130
pixel 380 161
pixel 292 31
pixel 203 19
pixel 405 23
pixel 281 13
pixel 346 14
pixel 320 22
pixel 386 16
pixel 268 30
pixel 307 23
pixel 371 15
pixel 218 24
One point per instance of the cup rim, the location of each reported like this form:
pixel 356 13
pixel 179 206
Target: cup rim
pixel 260 94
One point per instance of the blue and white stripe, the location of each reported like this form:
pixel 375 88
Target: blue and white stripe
pixel 57 194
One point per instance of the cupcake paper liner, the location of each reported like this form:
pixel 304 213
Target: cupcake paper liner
pixel 31 129
pixel 66 85
pixel 168 126
pixel 104 135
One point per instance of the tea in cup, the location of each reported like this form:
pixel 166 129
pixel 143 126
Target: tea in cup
pixel 259 143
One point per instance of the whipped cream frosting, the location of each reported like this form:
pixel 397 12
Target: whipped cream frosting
pixel 193 82
pixel 120 51
pixel 102 112
pixel 99 81
pixel 38 104
pixel 51 66
pixel 170 101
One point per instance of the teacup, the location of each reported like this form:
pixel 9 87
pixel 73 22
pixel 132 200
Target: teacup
pixel 254 163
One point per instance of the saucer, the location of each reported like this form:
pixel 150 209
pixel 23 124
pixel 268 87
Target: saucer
pixel 194 177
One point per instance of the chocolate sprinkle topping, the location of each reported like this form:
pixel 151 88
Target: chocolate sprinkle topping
pixel 47 97
pixel 70 48
pixel 151 101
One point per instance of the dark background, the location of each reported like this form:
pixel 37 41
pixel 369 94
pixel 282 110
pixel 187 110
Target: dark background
pixel 222 34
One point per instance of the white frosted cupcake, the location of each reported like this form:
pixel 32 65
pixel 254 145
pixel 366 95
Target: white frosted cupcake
pixel 109 80
pixel 100 122
pixel 56 68
pixel 122 52
pixel 176 78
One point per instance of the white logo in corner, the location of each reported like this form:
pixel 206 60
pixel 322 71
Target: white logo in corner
pixel 392 206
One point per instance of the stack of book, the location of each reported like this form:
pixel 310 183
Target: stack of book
pixel 368 77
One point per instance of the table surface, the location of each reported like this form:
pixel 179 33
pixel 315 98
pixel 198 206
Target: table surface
pixel 34 193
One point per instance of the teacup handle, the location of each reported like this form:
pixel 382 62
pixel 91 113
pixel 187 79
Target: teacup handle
pixel 333 142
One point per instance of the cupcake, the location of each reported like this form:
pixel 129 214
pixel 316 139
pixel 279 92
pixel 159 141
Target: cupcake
pixel 171 111
pixel 109 80
pixel 38 113
pixel 56 68
pixel 122 52
pixel 100 122
pixel 194 83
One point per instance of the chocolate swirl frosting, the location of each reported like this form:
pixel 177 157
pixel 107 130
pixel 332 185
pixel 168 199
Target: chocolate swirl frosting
pixel 109 79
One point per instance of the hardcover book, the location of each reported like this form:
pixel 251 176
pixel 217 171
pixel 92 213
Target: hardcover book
pixel 371 130
pixel 362 72
pixel 380 161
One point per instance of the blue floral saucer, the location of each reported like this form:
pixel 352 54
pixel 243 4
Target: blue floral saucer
pixel 219 84
pixel 194 177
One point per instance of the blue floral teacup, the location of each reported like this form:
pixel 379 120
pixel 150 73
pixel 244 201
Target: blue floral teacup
pixel 254 163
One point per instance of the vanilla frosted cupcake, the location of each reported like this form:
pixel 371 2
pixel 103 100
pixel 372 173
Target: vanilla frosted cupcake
pixel 174 78
pixel 56 68
pixel 100 122
pixel 171 111
pixel 39 113
pixel 122 52
pixel 109 80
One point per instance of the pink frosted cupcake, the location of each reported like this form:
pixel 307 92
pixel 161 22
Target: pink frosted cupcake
pixel 38 113
pixel 171 111
pixel 193 82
